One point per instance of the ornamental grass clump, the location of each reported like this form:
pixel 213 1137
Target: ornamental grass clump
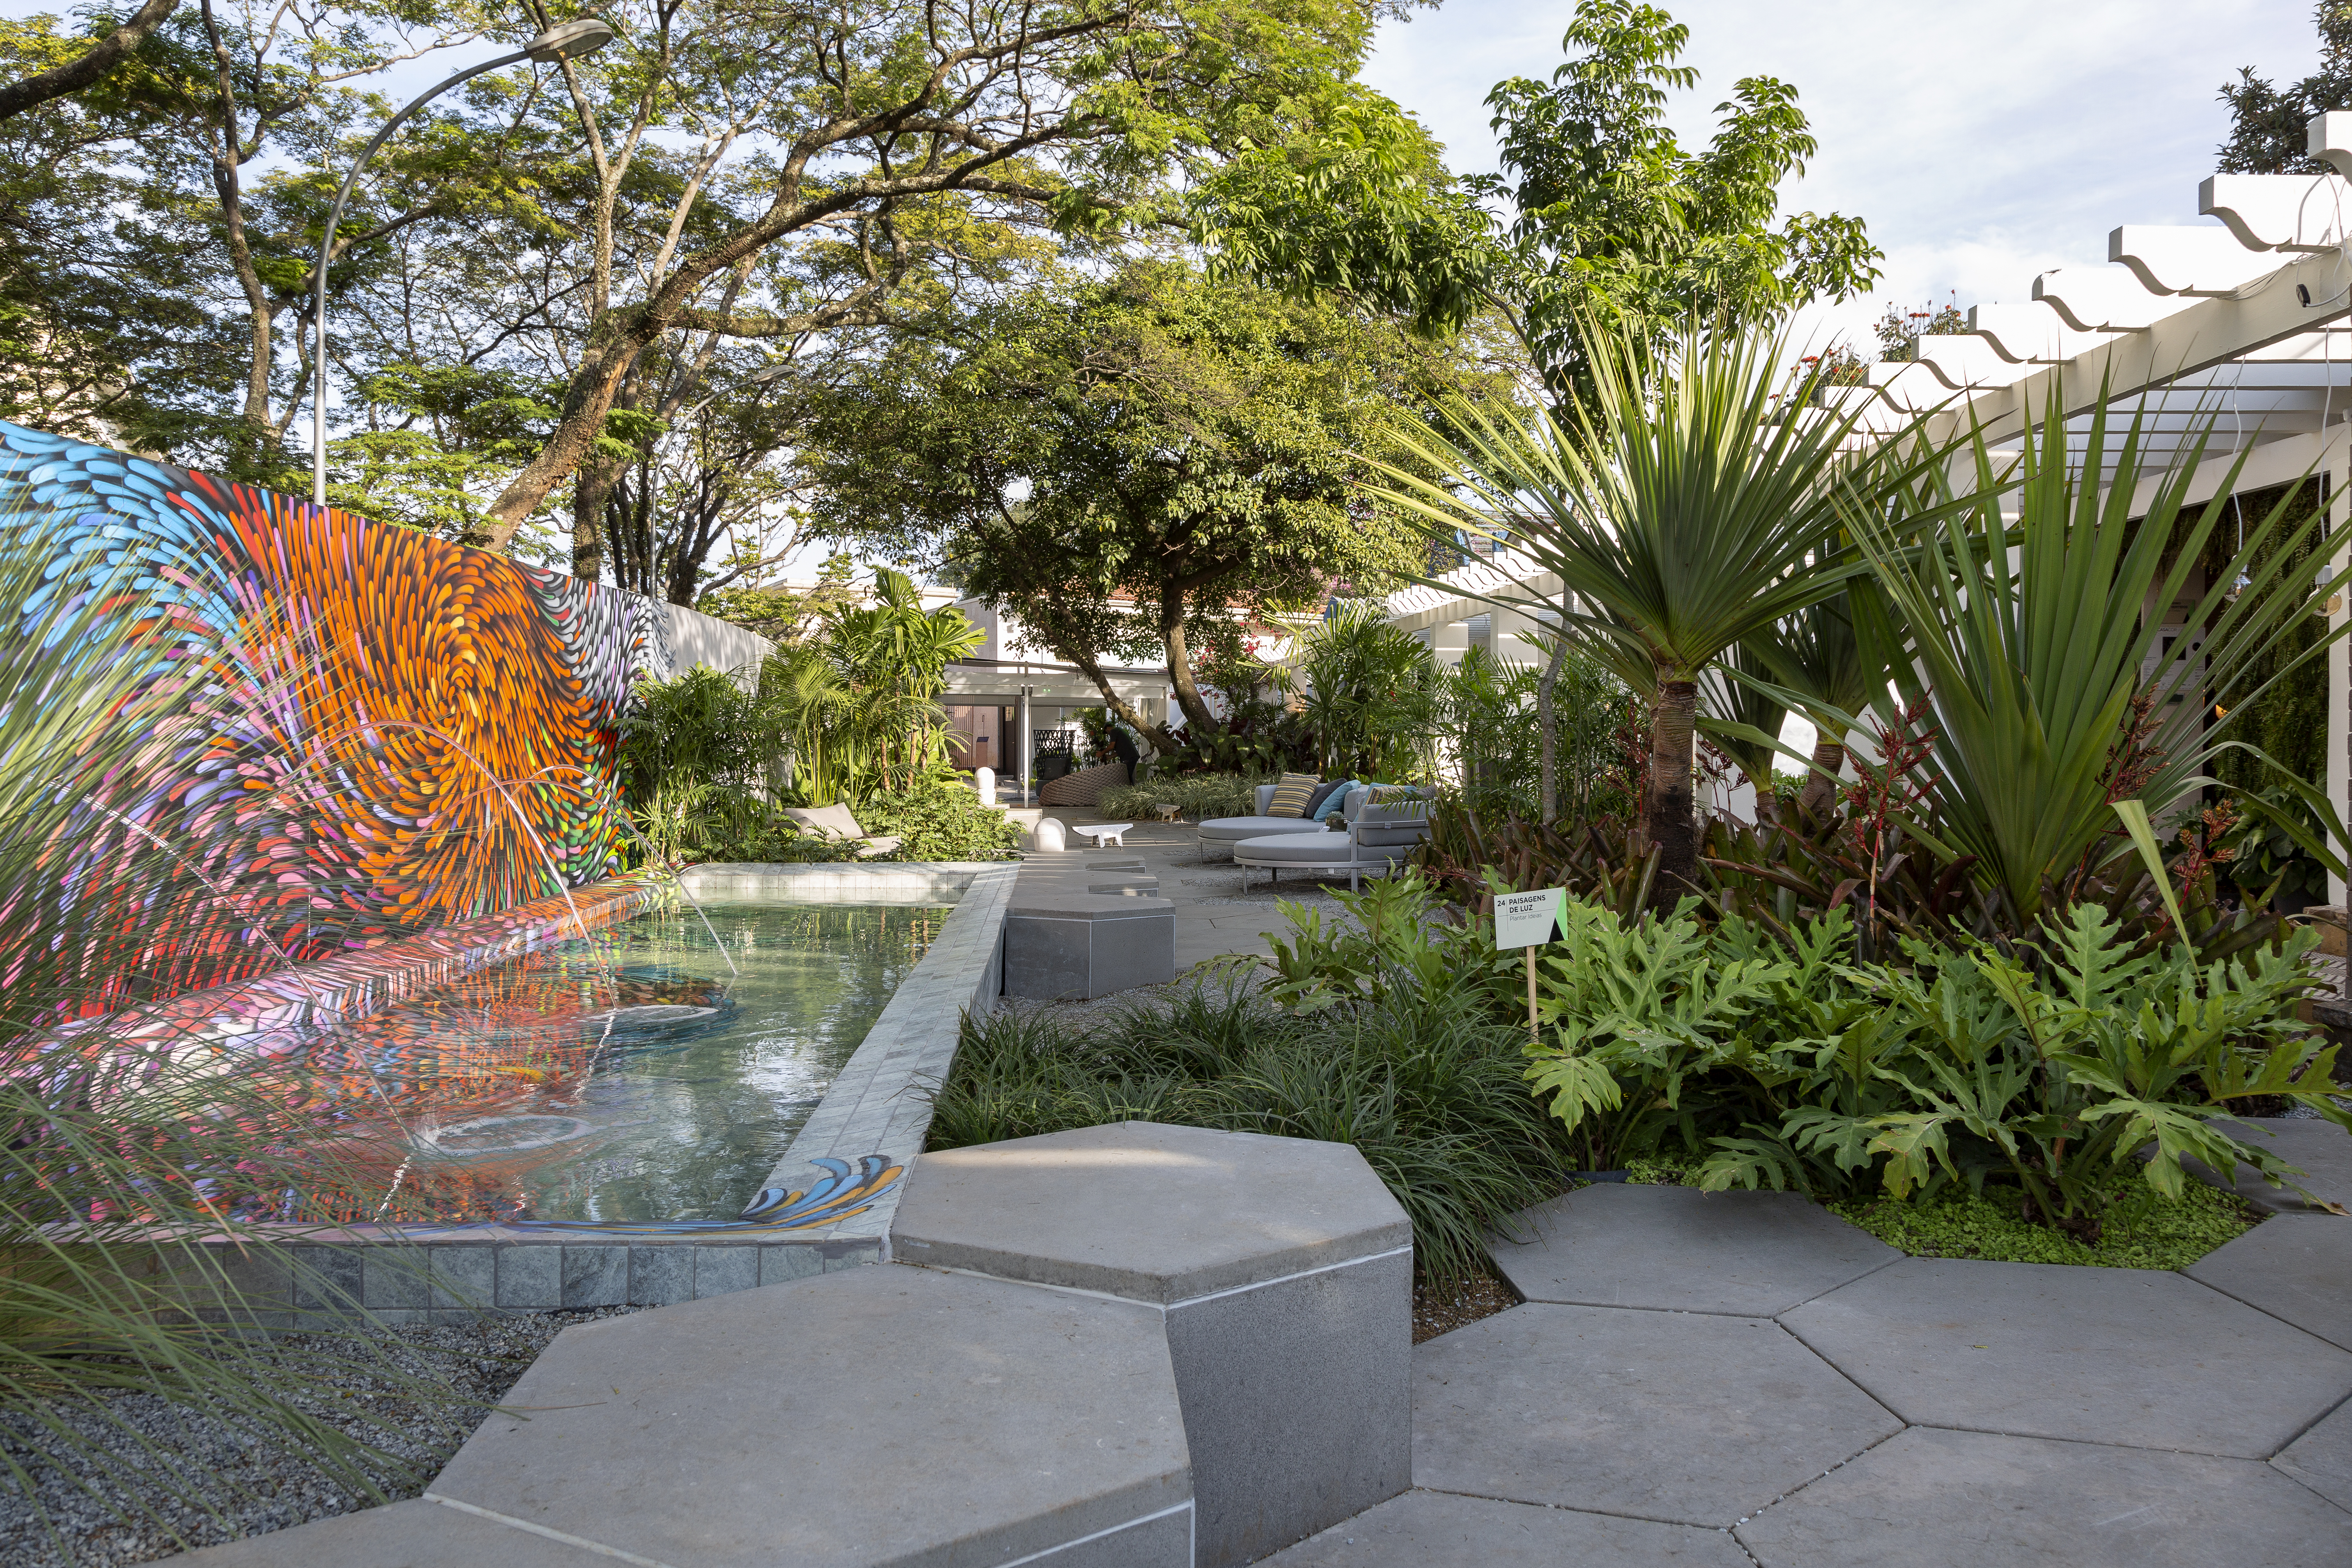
pixel 1426 1088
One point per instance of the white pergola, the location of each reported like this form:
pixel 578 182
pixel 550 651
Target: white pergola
pixel 2244 320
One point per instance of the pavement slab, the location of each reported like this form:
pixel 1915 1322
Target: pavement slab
pixel 1440 1529
pixel 1751 1255
pixel 2297 1267
pixel 2322 1457
pixel 1686 1418
pixel 2098 1355
pixel 880 1415
pixel 2322 1149
pixel 1933 1499
pixel 415 1534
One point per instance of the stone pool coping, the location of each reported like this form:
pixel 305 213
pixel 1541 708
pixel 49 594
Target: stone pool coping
pixel 865 1130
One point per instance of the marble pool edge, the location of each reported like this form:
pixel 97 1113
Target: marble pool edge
pixel 868 1128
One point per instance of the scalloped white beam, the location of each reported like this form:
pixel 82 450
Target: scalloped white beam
pixel 2099 299
pixel 2280 212
pixel 2031 333
pixel 2200 260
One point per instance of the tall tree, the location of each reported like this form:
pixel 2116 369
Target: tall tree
pixel 1608 218
pixel 1136 466
pixel 85 67
pixel 2267 122
pixel 829 122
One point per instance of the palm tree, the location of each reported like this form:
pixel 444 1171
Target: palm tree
pixel 1683 503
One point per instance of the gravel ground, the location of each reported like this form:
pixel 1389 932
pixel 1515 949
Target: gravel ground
pixel 250 1485
pixel 1441 1311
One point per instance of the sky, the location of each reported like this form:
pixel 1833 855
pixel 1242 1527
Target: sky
pixel 1982 142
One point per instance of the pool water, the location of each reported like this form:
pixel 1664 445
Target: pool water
pixel 631 1077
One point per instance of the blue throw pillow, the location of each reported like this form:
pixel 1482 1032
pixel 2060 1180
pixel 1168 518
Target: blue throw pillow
pixel 1323 792
pixel 1336 803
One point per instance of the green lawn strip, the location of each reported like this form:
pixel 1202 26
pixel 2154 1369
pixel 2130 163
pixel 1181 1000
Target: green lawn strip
pixel 2145 1229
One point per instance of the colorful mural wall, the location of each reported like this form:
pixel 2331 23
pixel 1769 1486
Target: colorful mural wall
pixel 368 732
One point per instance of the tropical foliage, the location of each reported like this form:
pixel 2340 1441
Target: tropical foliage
pixel 848 713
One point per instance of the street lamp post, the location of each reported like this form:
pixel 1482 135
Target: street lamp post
pixel 571 40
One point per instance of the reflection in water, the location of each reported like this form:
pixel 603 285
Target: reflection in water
pixel 628 1076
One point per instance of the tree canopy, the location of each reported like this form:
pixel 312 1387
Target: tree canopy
pixel 1143 464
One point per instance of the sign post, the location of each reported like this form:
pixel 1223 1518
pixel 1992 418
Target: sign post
pixel 1530 919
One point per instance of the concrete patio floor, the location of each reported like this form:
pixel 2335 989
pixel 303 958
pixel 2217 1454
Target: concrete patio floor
pixel 1723 1380
pixel 1214 915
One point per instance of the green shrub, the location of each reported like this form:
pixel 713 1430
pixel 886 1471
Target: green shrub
pixel 2075 1069
pixel 1203 796
pixel 1426 1088
pixel 939 820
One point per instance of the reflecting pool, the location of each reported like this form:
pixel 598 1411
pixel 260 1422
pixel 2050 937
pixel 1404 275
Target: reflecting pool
pixel 654 1072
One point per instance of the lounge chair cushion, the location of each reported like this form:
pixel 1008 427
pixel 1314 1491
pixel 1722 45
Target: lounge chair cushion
pixel 834 825
pixel 1317 849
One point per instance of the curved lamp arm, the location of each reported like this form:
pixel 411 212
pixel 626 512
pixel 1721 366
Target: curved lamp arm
pixel 573 39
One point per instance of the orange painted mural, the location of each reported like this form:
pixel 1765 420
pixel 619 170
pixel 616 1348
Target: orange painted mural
pixel 370 732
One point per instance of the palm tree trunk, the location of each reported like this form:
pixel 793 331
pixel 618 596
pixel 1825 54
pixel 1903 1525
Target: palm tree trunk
pixel 1672 821
pixel 1821 788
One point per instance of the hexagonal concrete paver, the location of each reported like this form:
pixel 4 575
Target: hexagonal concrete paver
pixel 2098 1355
pixel 1440 1529
pixel 2322 1457
pixel 1689 1418
pixel 1935 1498
pixel 2294 1266
pixel 2321 1149
pixel 878 1415
pixel 1750 1255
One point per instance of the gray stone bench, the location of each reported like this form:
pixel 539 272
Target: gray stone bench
pixel 1282 1268
pixel 1082 926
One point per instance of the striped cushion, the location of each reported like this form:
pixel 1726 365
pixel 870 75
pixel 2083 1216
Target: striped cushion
pixel 1291 795
pixel 1392 794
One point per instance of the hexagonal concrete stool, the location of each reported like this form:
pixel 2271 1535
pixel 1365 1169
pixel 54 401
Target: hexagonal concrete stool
pixel 1438 1530
pixel 1284 1269
pixel 1966 1500
pixel 2297 1267
pixel 2093 1355
pixel 1748 1254
pixel 2322 1457
pixel 1683 1417
pixel 882 1414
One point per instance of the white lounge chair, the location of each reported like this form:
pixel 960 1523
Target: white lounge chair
pixel 834 825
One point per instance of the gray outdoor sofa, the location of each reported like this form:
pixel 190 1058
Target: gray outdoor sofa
pixel 1377 841
pixel 1221 833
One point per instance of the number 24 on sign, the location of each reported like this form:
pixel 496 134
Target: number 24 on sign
pixel 1529 919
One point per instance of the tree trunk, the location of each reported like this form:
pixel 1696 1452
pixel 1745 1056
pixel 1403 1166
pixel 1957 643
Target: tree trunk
pixel 1671 815
pixel 1161 740
pixel 1821 788
pixel 1548 728
pixel 1197 717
